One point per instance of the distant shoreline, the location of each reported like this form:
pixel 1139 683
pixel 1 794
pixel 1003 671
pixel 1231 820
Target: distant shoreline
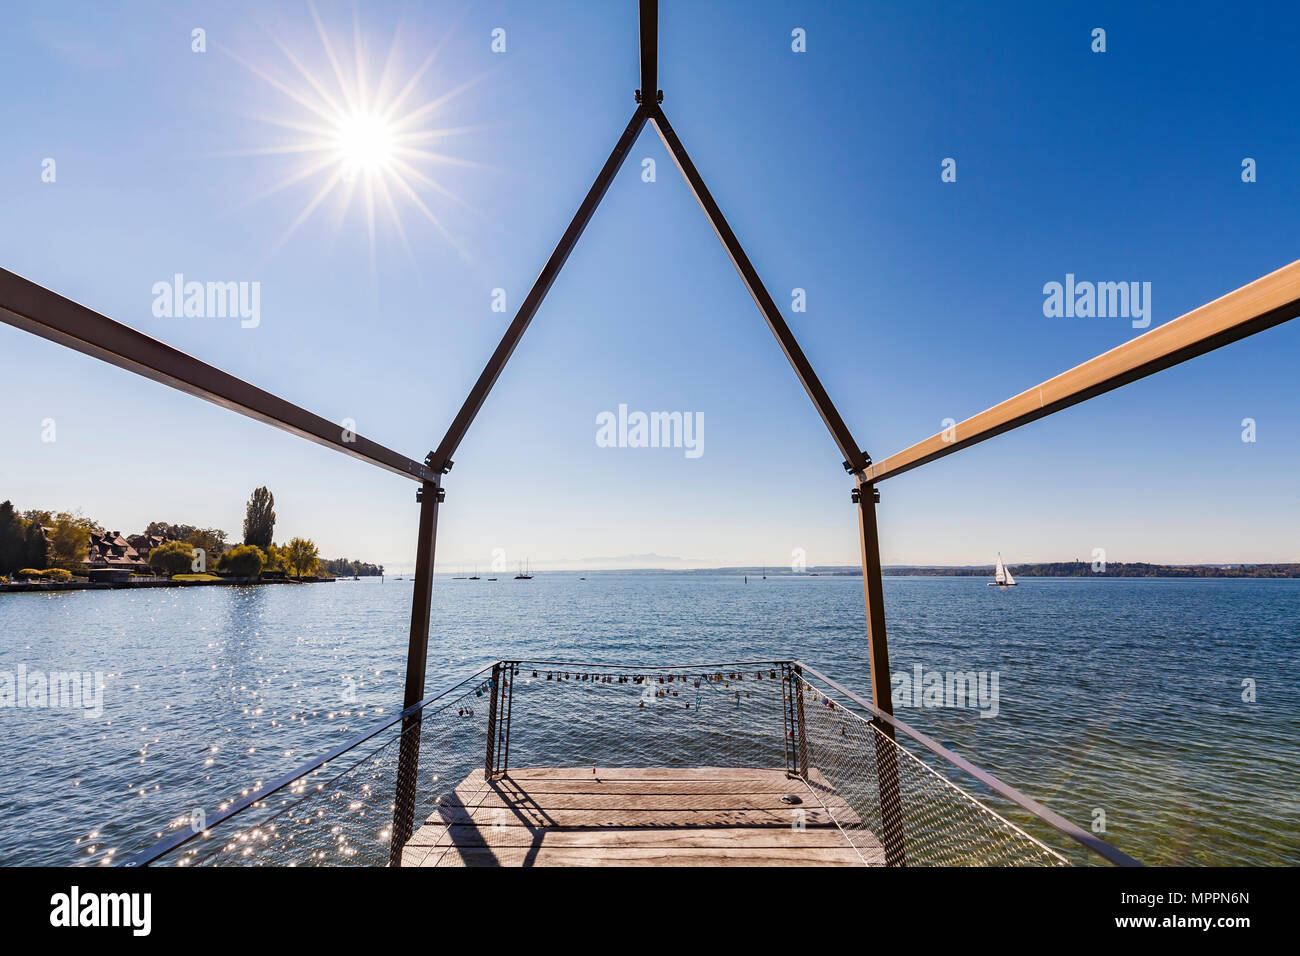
pixel 46 587
pixel 1060 569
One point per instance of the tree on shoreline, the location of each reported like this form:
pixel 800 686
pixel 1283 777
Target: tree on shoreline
pixel 36 550
pixel 70 540
pixel 343 567
pixel 13 537
pixel 301 555
pixel 259 518
pixel 211 540
pixel 174 557
pixel 243 561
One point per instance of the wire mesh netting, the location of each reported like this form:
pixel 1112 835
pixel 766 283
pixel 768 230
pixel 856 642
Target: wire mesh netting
pixel 343 812
pixel 538 763
pixel 591 716
pixel 895 807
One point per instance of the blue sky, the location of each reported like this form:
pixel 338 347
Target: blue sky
pixel 924 298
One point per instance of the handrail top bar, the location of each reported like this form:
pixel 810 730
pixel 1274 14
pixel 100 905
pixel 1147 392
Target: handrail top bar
pixel 595 665
pixel 1254 307
pixel 1055 820
pixel 33 308
pixel 168 843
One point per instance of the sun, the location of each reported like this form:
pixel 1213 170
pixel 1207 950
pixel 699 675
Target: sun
pixel 360 139
pixel 365 143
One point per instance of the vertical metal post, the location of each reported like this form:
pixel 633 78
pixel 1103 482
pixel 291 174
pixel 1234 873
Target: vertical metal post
pixel 891 804
pixel 787 715
pixel 801 723
pixel 508 689
pixel 417 655
pixel 489 762
pixel 649 35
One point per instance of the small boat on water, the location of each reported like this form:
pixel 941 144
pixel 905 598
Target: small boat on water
pixel 1001 576
pixel 524 574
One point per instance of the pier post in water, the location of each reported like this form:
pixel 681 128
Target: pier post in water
pixel 891 804
pixel 417 656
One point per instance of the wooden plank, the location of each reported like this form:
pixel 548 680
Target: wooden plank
pixel 650 787
pixel 531 816
pixel 743 856
pixel 1262 304
pixel 595 800
pixel 694 839
pixel 639 773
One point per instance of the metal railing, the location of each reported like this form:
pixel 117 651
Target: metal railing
pixel 892 807
pixel 192 838
pixel 881 723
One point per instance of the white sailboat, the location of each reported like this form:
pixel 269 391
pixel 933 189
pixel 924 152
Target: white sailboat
pixel 1001 576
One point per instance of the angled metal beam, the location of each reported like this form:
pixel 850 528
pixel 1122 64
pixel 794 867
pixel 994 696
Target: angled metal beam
pixel 1262 304
pixel 532 302
pixel 853 455
pixel 33 308
pixel 649 51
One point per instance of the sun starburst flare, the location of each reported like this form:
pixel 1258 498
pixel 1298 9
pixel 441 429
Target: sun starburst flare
pixel 359 140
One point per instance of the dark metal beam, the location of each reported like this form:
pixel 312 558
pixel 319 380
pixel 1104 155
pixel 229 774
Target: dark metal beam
pixel 532 302
pixel 417 660
pixel 421 601
pixel 33 308
pixel 1262 304
pixel 852 453
pixel 873 591
pixel 649 51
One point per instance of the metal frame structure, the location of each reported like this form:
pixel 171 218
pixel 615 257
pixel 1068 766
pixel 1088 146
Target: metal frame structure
pixel 1266 302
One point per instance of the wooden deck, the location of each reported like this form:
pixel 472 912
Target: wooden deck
pixel 699 816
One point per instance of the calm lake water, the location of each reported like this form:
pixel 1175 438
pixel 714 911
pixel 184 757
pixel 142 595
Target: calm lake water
pixel 1121 696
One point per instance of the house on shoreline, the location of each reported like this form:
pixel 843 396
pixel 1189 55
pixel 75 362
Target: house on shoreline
pixel 113 552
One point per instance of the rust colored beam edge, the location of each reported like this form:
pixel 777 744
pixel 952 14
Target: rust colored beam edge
pixel 851 451
pixel 649 33
pixel 33 308
pixel 1262 304
pixel 533 301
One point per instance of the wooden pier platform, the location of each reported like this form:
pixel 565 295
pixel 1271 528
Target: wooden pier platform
pixel 696 816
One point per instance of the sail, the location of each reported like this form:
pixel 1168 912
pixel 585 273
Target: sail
pixel 1009 579
pixel 1000 575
